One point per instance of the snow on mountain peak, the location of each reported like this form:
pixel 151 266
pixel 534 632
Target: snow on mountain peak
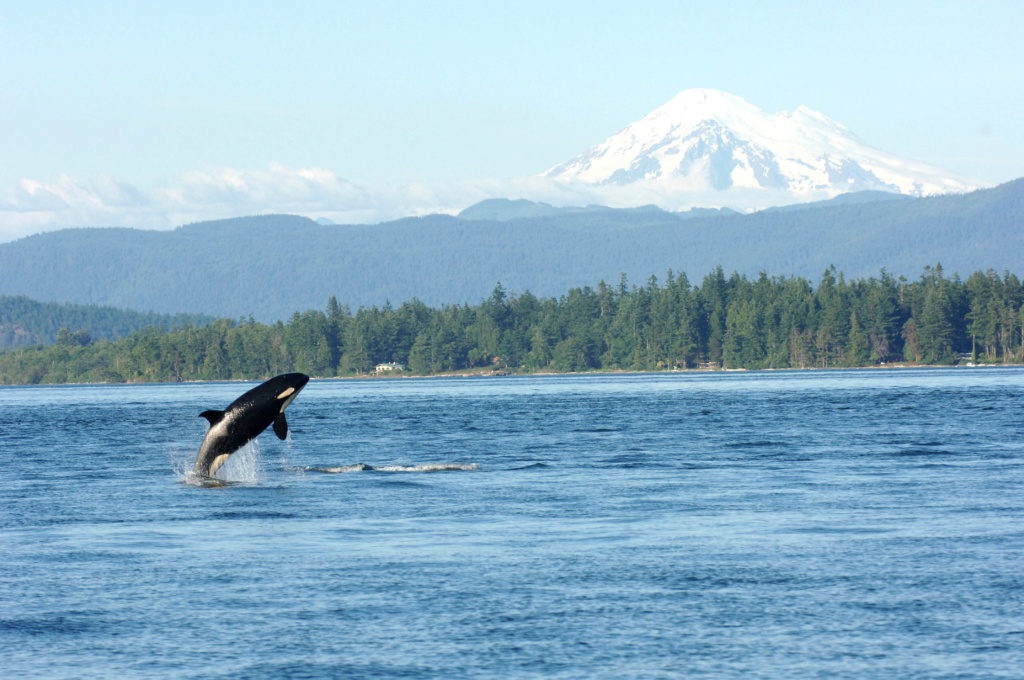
pixel 708 142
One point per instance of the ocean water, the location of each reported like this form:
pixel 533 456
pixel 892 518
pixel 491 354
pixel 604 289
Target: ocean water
pixel 860 524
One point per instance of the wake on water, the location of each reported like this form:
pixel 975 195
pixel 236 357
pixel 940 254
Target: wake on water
pixel 363 467
pixel 246 466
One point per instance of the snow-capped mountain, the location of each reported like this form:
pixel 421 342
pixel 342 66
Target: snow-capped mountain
pixel 710 147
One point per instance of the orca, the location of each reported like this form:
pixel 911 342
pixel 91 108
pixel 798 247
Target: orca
pixel 245 418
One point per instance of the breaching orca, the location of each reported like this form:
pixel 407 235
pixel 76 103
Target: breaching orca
pixel 245 419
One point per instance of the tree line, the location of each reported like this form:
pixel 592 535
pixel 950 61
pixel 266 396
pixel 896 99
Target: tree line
pixel 722 322
pixel 25 322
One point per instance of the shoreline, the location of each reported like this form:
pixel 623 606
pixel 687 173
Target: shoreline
pixel 490 374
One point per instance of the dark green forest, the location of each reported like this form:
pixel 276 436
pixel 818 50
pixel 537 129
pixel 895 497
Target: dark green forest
pixel 25 322
pixel 723 322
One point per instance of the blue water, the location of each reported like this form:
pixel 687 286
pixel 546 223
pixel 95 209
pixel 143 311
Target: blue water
pixel 781 524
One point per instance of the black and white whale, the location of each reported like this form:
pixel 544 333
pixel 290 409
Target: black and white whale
pixel 245 419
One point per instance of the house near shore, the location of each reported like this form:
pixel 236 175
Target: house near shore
pixel 389 367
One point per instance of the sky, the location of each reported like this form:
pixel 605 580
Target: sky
pixel 151 115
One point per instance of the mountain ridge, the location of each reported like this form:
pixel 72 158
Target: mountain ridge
pixel 273 265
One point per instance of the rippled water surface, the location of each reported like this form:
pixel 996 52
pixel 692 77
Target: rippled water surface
pixel 804 524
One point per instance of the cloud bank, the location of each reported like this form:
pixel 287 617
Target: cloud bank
pixel 35 206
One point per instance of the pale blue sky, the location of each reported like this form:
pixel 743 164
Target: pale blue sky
pixel 128 102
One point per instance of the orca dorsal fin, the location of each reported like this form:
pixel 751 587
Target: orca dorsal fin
pixel 281 426
pixel 213 416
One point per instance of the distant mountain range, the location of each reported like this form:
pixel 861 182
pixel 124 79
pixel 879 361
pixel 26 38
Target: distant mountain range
pixel 503 210
pixel 707 147
pixel 270 266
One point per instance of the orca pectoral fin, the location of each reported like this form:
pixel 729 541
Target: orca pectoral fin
pixel 213 416
pixel 281 426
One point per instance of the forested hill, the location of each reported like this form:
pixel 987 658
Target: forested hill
pixel 25 322
pixel 734 322
pixel 270 266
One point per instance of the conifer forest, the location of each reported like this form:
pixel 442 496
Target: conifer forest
pixel 722 322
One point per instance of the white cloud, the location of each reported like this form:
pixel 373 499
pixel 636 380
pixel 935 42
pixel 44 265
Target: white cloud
pixel 34 206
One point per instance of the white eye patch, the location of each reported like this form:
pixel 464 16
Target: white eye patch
pixel 288 392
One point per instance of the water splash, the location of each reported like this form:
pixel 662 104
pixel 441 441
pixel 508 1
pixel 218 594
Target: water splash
pixel 245 466
pixel 182 460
